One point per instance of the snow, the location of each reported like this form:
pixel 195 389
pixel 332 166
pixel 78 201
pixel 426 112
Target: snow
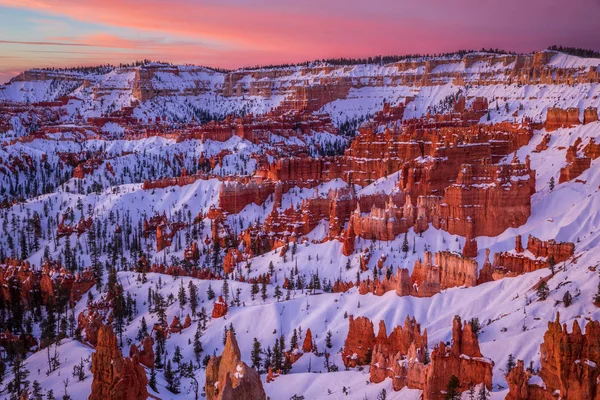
pixel 513 320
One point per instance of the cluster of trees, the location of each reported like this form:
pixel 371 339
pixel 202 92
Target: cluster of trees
pixel 576 51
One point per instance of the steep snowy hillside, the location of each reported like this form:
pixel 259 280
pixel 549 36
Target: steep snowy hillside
pixel 176 232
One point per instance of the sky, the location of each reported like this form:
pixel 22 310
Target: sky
pixel 238 33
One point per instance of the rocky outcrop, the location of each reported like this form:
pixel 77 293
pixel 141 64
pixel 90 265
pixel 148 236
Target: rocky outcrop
pixel 575 164
pixel 569 361
pixel 569 366
pixel 361 340
pixel 307 345
pixel 146 355
pixel 234 196
pixel 560 118
pixel 359 343
pixel 487 199
pixel 231 259
pixel 559 251
pixel 429 277
pixel 116 377
pixel 407 365
pixel 590 115
pixel 463 360
pixel 219 308
pixel 229 378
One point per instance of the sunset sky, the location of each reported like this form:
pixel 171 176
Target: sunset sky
pixel 236 33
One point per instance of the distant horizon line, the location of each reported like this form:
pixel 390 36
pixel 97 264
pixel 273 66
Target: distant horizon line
pixel 375 59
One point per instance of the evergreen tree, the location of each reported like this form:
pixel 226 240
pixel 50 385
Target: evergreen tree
pixel 225 289
pixel 542 290
pixel 255 290
pixel 263 291
pixel 182 296
pixel 197 343
pixel 152 382
pixel 193 290
pixel 405 243
pixel 171 378
pixel 510 364
pixel 278 293
pixel 328 340
pixel 256 355
pixel 452 392
pixel 210 293
pixel 483 394
pixel 567 299
pixel 20 374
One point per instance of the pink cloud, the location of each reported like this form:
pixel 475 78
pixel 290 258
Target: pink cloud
pixel 233 33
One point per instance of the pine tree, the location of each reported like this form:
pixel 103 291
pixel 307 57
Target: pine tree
pixel 197 343
pixel 551 184
pixel 452 392
pixel 20 374
pixel 225 289
pixel 278 293
pixel 182 296
pixel 405 243
pixel 510 364
pixel 210 293
pixel 152 382
pixel 542 290
pixel 483 394
pixel 255 355
pixel 567 299
pixel 171 378
pixel 193 290
pixel 254 290
pixel 328 340
pixel 263 290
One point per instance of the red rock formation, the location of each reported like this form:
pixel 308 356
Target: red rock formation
pixel 429 277
pixel 550 249
pixel 570 360
pixel 361 340
pixel 559 118
pixel 568 366
pixel 590 115
pixel 575 164
pixel 219 308
pixel 116 377
pixel 487 199
pixel 521 388
pixel 307 345
pixel 54 283
pixel 401 357
pixel 187 322
pixel 519 244
pixel 234 196
pixel 229 378
pixel 146 355
pixel 231 259
pixel 470 249
pixel 359 343
pixel 463 360
pixel 192 253
pixel 592 149
pixel 405 364
pixel 175 326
